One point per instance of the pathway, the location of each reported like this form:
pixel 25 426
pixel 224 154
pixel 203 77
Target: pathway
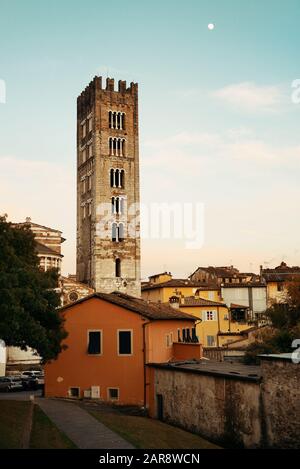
pixel 81 427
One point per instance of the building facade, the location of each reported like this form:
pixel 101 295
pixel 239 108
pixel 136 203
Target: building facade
pixel 111 338
pixel 108 195
pixel 276 281
pixel 48 244
pixel 248 300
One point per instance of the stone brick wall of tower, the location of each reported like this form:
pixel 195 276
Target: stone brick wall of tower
pixel 96 254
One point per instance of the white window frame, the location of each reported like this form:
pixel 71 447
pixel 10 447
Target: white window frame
pixel 118 343
pixel 206 314
pixel 74 387
pixel 108 396
pixel 101 342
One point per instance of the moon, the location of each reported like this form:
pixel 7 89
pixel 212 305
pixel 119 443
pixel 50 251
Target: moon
pixel 211 26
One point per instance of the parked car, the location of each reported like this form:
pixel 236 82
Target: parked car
pixel 32 373
pixel 10 383
pixel 33 379
pixel 29 382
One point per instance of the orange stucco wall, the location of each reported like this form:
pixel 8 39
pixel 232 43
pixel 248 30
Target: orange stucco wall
pixel 189 351
pixel 74 367
pixel 158 350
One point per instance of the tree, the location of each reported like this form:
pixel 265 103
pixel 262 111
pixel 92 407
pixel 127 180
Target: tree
pixel 29 315
pixel 284 326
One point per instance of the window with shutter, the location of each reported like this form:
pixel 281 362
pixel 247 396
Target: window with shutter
pixel 94 345
pixel 125 342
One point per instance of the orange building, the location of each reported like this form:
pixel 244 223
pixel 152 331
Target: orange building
pixel 111 338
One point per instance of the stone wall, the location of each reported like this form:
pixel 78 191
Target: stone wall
pixel 222 410
pixel 281 402
pixel 230 410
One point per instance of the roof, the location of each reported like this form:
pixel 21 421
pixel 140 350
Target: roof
pixel 224 271
pixel 225 369
pixel 192 301
pixel 43 249
pixel 235 306
pixel 244 285
pixel 281 273
pixel 161 273
pixel 179 283
pixel 37 225
pixel 149 310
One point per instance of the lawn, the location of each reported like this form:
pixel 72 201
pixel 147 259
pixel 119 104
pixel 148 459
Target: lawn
pixel 146 433
pixel 13 422
pixel 45 435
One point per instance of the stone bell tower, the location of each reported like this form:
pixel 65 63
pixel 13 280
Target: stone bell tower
pixel 108 194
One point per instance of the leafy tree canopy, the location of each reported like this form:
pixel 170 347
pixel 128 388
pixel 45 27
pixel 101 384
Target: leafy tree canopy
pixel 284 326
pixel 28 302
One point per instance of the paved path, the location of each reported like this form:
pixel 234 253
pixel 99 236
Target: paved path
pixel 81 427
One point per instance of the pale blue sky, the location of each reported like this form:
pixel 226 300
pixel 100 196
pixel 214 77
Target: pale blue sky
pixel 217 123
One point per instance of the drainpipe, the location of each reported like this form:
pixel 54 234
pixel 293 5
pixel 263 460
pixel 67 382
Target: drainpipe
pixel 218 313
pixel 144 362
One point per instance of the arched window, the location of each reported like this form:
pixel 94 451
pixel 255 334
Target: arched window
pixel 123 120
pixel 114 120
pixel 112 178
pixel 121 232
pixel 117 205
pixel 118 267
pixel 122 178
pixel 117 178
pixel 112 205
pixel 114 232
pixel 121 205
pixel 110 119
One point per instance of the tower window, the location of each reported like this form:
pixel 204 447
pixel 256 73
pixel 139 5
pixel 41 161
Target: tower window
pixel 117 178
pixel 121 232
pixel 114 232
pixel 117 232
pixel 118 205
pixel 116 146
pixel 83 129
pixel 118 267
pixel 116 120
pixel 90 124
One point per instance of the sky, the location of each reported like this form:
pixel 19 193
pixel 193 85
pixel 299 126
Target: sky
pixel 219 118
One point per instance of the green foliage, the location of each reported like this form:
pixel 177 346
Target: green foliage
pixel 28 302
pixel 285 322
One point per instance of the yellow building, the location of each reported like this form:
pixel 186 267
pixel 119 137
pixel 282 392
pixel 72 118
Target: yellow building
pixel 162 288
pixel 218 325
pixel 276 280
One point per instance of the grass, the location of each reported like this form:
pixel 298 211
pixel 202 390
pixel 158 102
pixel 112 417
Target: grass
pixel 45 435
pixel 13 420
pixel 13 423
pixel 146 433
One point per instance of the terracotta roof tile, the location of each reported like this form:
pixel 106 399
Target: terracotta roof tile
pixel 149 310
